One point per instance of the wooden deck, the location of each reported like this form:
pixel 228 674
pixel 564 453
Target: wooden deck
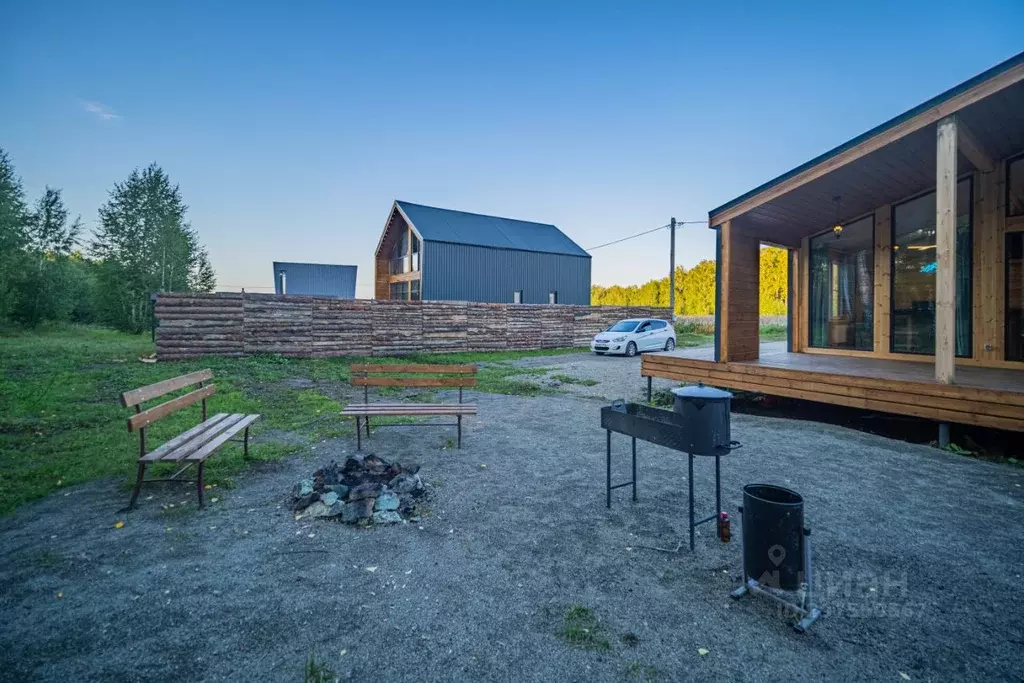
pixel 985 397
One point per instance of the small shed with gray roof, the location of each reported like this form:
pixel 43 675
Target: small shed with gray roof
pixel 440 254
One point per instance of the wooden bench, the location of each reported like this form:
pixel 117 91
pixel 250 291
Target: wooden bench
pixel 445 376
pixel 192 447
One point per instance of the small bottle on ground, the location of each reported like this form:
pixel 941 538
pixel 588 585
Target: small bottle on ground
pixel 724 533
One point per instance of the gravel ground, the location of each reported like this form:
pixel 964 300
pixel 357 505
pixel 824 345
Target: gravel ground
pixel 918 553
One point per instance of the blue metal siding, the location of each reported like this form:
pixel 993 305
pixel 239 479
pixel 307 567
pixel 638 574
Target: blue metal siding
pixel 316 279
pixel 463 272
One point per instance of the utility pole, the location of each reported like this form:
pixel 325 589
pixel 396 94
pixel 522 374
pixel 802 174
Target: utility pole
pixel 672 268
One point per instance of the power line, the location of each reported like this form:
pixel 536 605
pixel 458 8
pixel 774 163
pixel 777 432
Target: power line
pixel 646 232
pixel 639 234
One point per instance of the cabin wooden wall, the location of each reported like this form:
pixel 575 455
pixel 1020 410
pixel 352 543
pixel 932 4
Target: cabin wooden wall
pixel 739 338
pixel 988 284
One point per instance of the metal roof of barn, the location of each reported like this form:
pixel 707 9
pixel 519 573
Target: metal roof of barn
pixel 460 227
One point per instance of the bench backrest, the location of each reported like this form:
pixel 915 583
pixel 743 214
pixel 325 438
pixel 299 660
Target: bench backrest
pixel 383 375
pixel 136 397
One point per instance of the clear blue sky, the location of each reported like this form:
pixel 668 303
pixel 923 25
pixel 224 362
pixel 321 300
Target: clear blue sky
pixel 292 128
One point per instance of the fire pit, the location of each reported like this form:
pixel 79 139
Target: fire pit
pixel 364 490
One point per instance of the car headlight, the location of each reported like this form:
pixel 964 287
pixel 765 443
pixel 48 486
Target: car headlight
pixel 619 339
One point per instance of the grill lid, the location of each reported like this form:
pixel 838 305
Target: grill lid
pixel 699 392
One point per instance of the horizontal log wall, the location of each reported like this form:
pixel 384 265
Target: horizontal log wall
pixel 193 325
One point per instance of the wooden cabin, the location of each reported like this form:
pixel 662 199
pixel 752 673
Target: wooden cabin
pixel 905 252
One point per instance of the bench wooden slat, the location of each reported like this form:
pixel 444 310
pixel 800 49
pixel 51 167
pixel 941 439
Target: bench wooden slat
pixel 414 381
pixel 162 450
pixel 379 368
pixel 204 437
pixel 151 391
pixel 207 450
pixel 150 416
pixel 369 409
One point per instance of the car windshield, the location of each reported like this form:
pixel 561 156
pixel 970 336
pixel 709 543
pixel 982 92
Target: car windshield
pixel 623 326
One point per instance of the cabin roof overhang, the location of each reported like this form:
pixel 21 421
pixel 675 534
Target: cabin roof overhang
pixel 888 163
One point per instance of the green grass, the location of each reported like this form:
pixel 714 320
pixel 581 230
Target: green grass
pixel 581 628
pixel 61 422
pixel 773 333
pixel 568 379
pixel 690 334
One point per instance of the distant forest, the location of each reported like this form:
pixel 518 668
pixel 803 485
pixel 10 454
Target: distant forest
pixel 695 288
pixel 52 271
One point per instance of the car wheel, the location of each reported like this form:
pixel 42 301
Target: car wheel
pixel 631 349
pixel 670 344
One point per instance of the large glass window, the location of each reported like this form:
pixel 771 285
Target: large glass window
pixel 1015 296
pixel 400 255
pixel 913 273
pixel 400 290
pixel 1015 187
pixel 842 287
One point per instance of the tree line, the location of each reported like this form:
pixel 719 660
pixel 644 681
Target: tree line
pixel 51 270
pixel 695 288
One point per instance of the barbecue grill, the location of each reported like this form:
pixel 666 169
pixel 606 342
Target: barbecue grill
pixel 699 426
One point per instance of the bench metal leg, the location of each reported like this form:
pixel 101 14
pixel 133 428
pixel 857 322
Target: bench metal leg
pixel 648 389
pixel 460 430
pixel 138 486
pixel 199 483
pixel 359 434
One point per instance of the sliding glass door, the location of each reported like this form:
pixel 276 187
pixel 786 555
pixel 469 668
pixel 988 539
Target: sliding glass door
pixel 842 287
pixel 1015 296
pixel 913 274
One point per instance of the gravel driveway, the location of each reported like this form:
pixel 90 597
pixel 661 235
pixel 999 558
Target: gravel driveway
pixel 919 555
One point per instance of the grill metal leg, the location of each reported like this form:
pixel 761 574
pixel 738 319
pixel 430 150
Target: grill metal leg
pixel 634 469
pixel 460 430
pixel 367 418
pixel 245 444
pixel 608 469
pixel 718 489
pixel 690 481
pixel 359 434
pixel 649 389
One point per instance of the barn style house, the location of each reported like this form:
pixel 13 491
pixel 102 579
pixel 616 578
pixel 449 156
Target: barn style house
pixel 438 254
pixel 906 271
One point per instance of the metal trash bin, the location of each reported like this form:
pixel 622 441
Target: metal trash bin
pixel 777 550
pixel 773 535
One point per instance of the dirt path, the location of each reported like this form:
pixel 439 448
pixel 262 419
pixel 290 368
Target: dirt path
pixel 918 553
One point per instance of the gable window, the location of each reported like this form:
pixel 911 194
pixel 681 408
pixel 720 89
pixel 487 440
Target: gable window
pixel 552 297
pixel 914 264
pixel 842 287
pixel 517 296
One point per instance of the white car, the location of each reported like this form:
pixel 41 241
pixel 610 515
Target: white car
pixel 630 337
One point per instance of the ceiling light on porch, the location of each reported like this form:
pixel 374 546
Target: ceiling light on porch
pixel 837 227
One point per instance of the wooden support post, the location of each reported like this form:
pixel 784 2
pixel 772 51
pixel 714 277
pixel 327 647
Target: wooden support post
pixel 945 242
